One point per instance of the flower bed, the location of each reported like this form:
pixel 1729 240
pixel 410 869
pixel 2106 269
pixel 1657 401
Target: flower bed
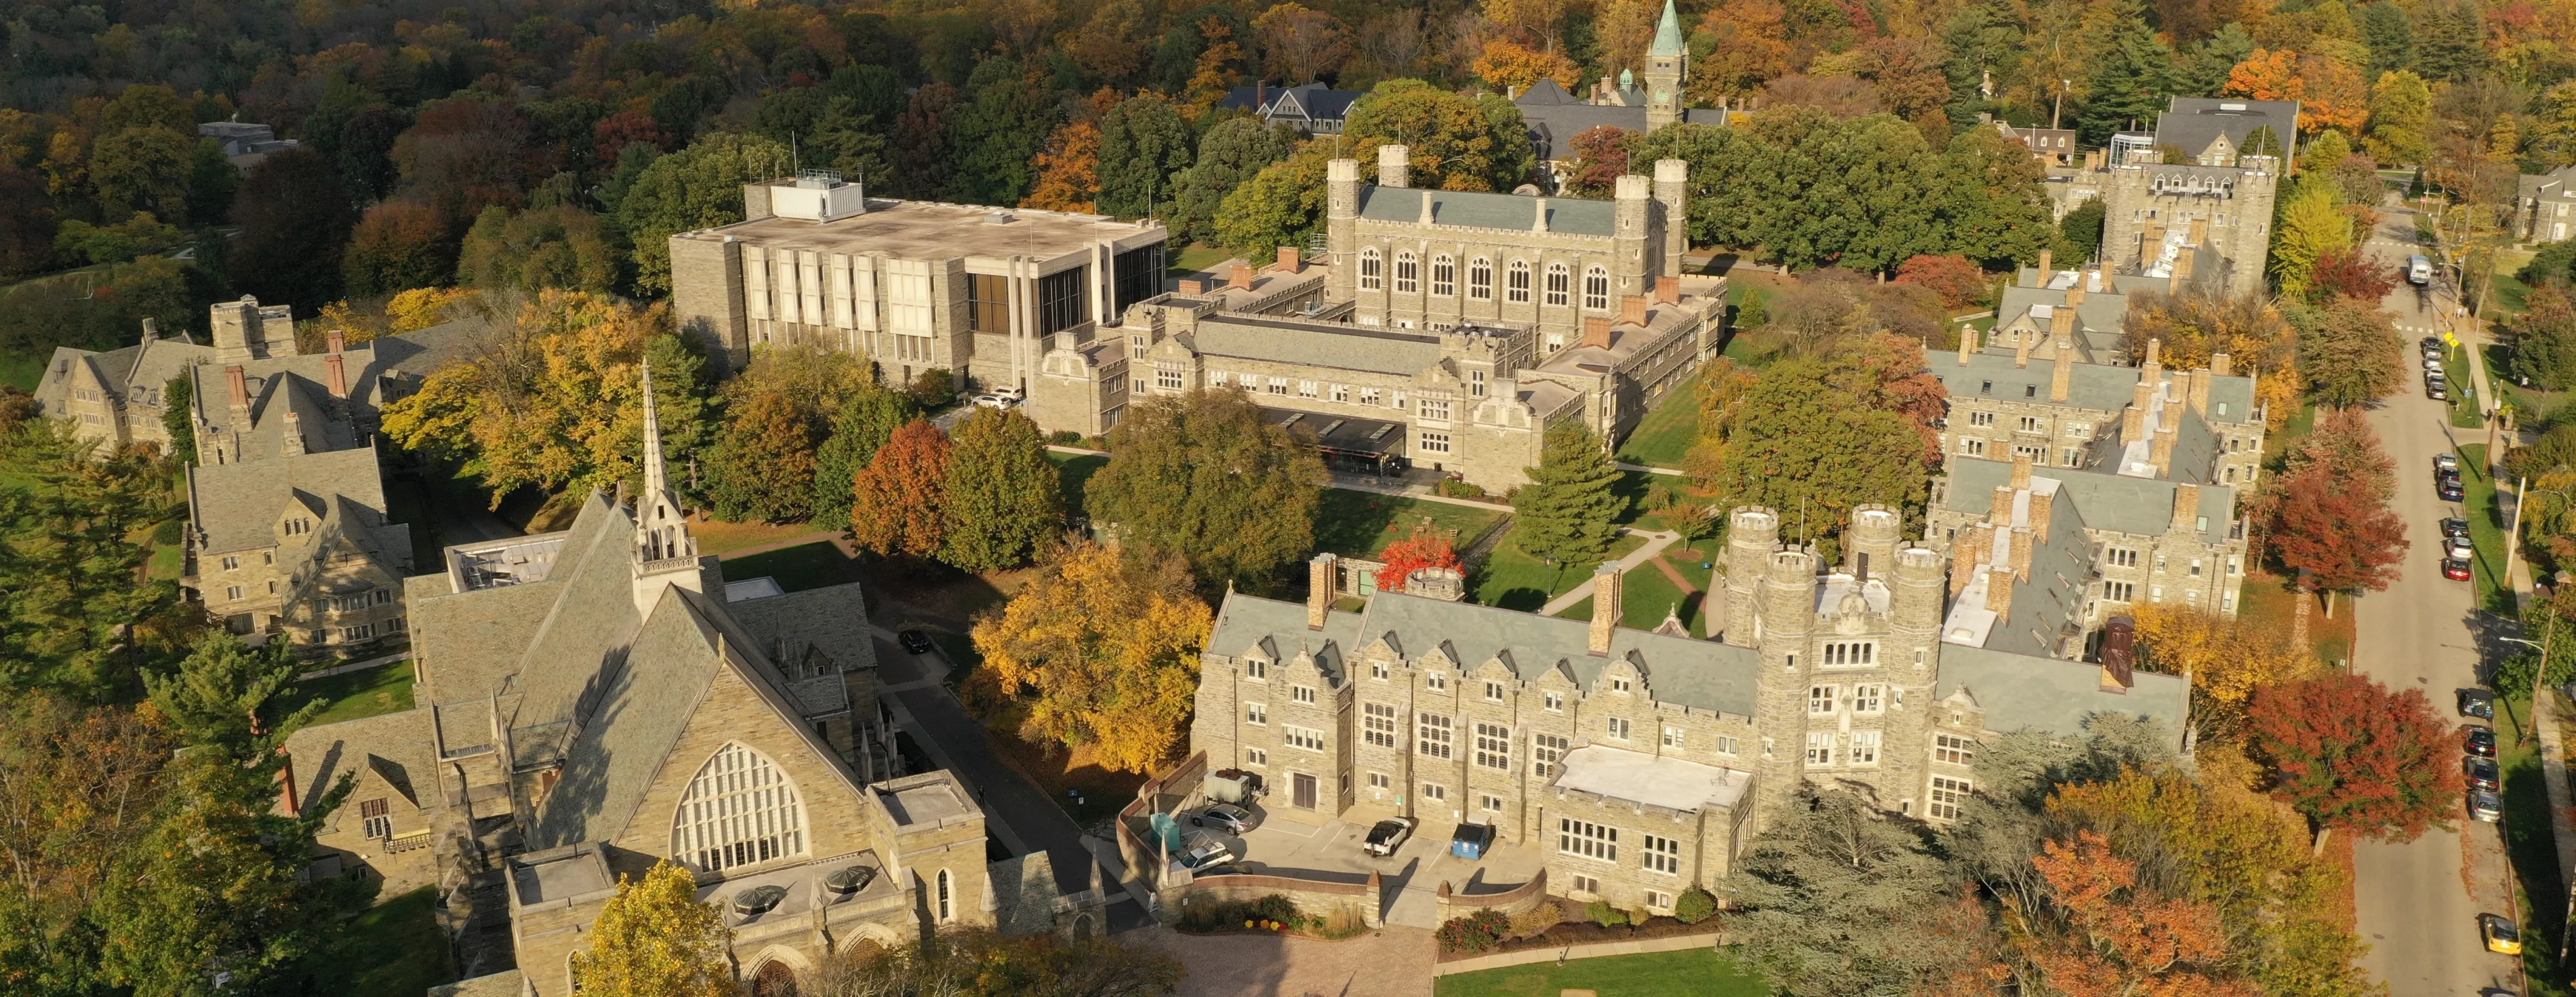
pixel 1270 915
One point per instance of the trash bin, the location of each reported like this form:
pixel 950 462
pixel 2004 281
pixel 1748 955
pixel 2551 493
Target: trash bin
pixel 1471 840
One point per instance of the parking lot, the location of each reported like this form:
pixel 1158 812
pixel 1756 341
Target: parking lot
pixel 1279 846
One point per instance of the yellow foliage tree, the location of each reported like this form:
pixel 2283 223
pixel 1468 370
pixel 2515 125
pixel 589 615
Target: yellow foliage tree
pixel 555 401
pixel 422 307
pixel 1106 651
pixel 654 939
pixel 2226 659
pixel 1507 65
pixel 1217 68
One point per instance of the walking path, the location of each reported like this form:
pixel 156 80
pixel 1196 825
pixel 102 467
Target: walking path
pixel 1561 953
pixel 1635 557
pixel 354 666
pixel 1667 471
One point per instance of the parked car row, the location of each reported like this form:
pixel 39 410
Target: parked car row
pixel 2436 382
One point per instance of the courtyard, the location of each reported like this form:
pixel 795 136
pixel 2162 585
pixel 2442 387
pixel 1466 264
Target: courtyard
pixel 1411 878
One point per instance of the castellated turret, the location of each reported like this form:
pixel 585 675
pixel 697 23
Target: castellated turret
pixel 1869 546
pixel 1751 533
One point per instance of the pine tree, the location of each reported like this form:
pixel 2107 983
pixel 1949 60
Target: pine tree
pixel 897 507
pixel 1569 508
pixel 1004 497
pixel 2129 88
pixel 867 420
pixel 175 409
pixel 230 698
pixel 655 939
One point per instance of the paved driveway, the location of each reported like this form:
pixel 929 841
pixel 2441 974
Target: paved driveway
pixel 1390 962
pixel 1411 877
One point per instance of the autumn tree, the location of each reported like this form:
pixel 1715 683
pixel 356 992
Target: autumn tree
pixel 2121 937
pixel 2192 326
pixel 2401 119
pixel 1960 283
pixel 1004 498
pixel 2352 273
pixel 537 249
pixel 1507 66
pixel 396 246
pixel 978 962
pixel 1803 438
pixel 898 508
pixel 1299 44
pixel 866 422
pixel 762 469
pixel 2313 226
pixel 1428 546
pixel 1201 476
pixel 2350 754
pixel 2544 337
pixel 2226 658
pixel 2344 540
pixel 1217 68
pixel 1600 159
pixel 656 939
pixel 1569 510
pixel 1068 168
pixel 2350 350
pixel 1104 650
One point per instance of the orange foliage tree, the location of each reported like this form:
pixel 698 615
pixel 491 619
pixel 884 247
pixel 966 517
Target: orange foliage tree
pixel 899 497
pixel 2351 754
pixel 1427 547
pixel 1069 167
pixel 1508 65
pixel 2117 937
pixel 2331 92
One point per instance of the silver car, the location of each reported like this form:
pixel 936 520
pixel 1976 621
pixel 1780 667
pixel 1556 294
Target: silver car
pixel 1224 817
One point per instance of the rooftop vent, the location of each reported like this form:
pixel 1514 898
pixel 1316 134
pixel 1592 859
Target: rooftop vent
pixel 2231 107
pixel 998 218
pixel 850 880
pixel 758 900
pixel 818 179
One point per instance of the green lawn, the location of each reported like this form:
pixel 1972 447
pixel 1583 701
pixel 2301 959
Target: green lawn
pixel 21 370
pixel 360 694
pixel 397 947
pixel 2486 530
pixel 1077 470
pixel 2531 846
pixel 1649 595
pixel 1361 524
pixel 1665 434
pixel 1688 973
pixel 1196 258
pixel 804 566
pixel 1513 579
pixel 2505 294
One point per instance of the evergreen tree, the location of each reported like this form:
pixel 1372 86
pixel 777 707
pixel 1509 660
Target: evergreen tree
pixel 1841 898
pixel 1004 497
pixel 694 188
pixel 2130 86
pixel 2390 34
pixel 176 400
pixel 1143 142
pixel 231 699
pixel 2204 73
pixel 2450 42
pixel 72 602
pixel 680 402
pixel 2080 232
pixel 763 469
pixel 1201 476
pixel 867 420
pixel 1570 507
pixel 997 132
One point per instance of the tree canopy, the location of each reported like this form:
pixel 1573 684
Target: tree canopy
pixel 1200 476
pixel 1103 649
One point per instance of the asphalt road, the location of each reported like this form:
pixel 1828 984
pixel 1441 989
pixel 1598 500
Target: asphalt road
pixel 2417 911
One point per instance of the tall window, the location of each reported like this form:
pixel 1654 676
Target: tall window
pixel 988 303
pixel 1587 839
pixel 947 895
pixel 1946 796
pixel 1064 300
pixel 1444 276
pixel 1480 279
pixel 1408 273
pixel 379 818
pixel 1864 747
pixel 1547 748
pixel 1820 699
pixel 1494 746
pixel 1663 855
pixel 1596 290
pixel 1953 749
pixel 1820 747
pixel 1851 654
pixel 1869 698
pixel 1378 724
pixel 1518 287
pixel 1559 282
pixel 740 809
pixel 1372 270
pixel 1431 736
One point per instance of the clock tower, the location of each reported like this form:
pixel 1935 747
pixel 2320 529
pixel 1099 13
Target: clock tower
pixel 1667 64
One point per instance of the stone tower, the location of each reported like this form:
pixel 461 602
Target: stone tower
pixel 244 331
pixel 1667 66
pixel 1635 198
pixel 1341 224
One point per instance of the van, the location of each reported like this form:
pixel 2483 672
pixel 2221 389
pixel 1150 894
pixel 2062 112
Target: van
pixel 2419 270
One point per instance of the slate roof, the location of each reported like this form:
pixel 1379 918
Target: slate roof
pixel 1308 102
pixel 2121 504
pixel 237 505
pixel 510 983
pixel 1553 126
pixel 641 703
pixel 2192 123
pixel 2100 387
pixel 396 746
pixel 1316 344
pixel 2554 184
pixel 134 375
pixel 1478 209
pixel 2048 602
pixel 2020 692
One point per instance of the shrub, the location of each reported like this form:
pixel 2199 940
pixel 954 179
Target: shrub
pixel 1536 920
pixel 1604 915
pixel 1475 932
pixel 1065 438
pixel 1454 488
pixel 1694 905
pixel 1275 907
pixel 1640 916
pixel 1272 912
pixel 932 388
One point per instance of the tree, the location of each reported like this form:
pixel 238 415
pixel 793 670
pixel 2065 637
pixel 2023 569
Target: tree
pixel 1600 159
pixel 1004 497
pixel 2350 349
pixel 294 217
pixel 1570 507
pixel 1280 205
pixel 694 188
pixel 176 420
pixel 1298 44
pixel 232 699
pixel 921 144
pixel 2401 118
pixel 866 422
pixel 555 401
pixel 538 249
pixel 2193 326
pixel 2345 449
pixel 2312 227
pixel 1989 205
pixel 1799 442
pixel 1229 156
pixel 468 152
pixel 2544 337
pixel 143 168
pixel 1143 143
pixel 1214 75
pixel 2343 540
pixel 763 468
pixel 898 508
pixel 2351 273
pixel 1427 546
pixel 1838 897
pixel 2129 85
pixel 2080 232
pixel 1105 650
pixel 2226 658
pixel 1452 144
pixel 997 133
pixel 1960 284
pixel 398 245
pixel 77 797
pixel 1751 47
pixel 74 618
pixel 2350 754
pixel 1509 66
pixel 2119 936
pixel 655 939
pixel 1200 476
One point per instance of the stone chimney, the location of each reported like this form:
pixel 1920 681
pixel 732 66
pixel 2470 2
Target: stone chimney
pixel 335 340
pixel 2220 365
pixel 2155 353
pixel 1240 277
pixel 2075 294
pixel 1967 554
pixel 237 389
pixel 2200 392
pixel 1668 290
pixel 1632 309
pixel 2160 453
pixel 2041 499
pixel 1323 575
pixel 293 437
pixel 1606 592
pixel 2061 319
pixel 1540 223
pixel 2187 507
pixel 2044 270
pixel 1393 166
pixel 1596 332
pixel 1967 342
pixel 2021 471
pixel 339 375
pixel 1999 589
pixel 2021 350
pixel 151 329
pixel 2022 543
pixel 2061 380
pixel 2000 511
pixel 1289 262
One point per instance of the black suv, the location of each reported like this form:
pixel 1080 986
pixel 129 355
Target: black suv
pixel 2479 741
pixel 2448 487
pixel 2455 529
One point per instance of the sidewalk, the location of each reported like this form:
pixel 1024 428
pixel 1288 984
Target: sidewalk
pixel 1635 557
pixel 354 666
pixel 1595 950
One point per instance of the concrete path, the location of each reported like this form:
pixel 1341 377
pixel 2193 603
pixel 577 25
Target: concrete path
pixel 354 666
pixel 1641 555
pixel 1388 962
pixel 1595 950
pixel 1669 471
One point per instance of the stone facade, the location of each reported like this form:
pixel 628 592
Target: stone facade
pixel 2544 204
pixel 2207 219
pixel 2203 426
pixel 1637 762
pixel 2141 540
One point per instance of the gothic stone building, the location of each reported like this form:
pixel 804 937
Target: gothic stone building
pixel 2208 218
pixel 1638 762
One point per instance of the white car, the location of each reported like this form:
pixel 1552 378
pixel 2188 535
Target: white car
pixel 1206 855
pixel 995 401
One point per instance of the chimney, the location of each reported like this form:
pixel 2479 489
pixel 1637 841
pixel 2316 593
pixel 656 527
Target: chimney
pixel 1606 593
pixel 2022 543
pixel 2200 392
pixel 1967 342
pixel 1596 332
pixel 2040 500
pixel 1241 279
pixel 294 434
pixel 1606 89
pixel 1427 218
pixel 2160 453
pixel 2221 365
pixel 335 340
pixel 1969 552
pixel 2021 471
pixel 2173 280
pixel 1668 290
pixel 339 374
pixel 1323 575
pixel 2000 512
pixel 2187 507
pixel 1539 225
pixel 237 387
pixel 1632 309
pixel 1999 589
pixel 2075 294
pixel 1193 287
pixel 2044 271
pixel 2021 350
pixel 2133 421
pixel 151 329
pixel 2155 353
pixel 2199 231
pixel 2061 319
pixel 1288 261
pixel 2061 381
pixel 1393 168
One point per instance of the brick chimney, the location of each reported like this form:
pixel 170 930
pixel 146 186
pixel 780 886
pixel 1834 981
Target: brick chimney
pixel 2221 365
pixel 2061 381
pixel 2044 270
pixel 335 340
pixel 1289 261
pixel 1967 342
pixel 1193 287
pixel 1240 277
pixel 1606 593
pixel 237 387
pixel 2186 507
pixel 2075 294
pixel 2041 499
pixel 2021 471
pixel 2155 354
pixel 1323 575
pixel 1966 554
pixel 293 437
pixel 1999 589
pixel 1632 309
pixel 1668 290
pixel 1596 332
pixel 2200 392
pixel 2160 453
pixel 338 373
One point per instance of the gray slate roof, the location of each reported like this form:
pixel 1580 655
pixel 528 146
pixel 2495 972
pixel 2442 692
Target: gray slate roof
pixel 2100 387
pixel 237 505
pixel 1477 209
pixel 1316 344
pixel 2192 123
pixel 2053 594
pixel 396 745
pixel 2020 692
pixel 1553 126
pixel 2136 506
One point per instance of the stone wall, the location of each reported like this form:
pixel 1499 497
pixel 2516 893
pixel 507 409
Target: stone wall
pixel 1312 896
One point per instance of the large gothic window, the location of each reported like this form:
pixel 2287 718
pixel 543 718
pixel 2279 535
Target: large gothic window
pixel 1596 290
pixel 1371 278
pixel 1480 279
pixel 1408 273
pixel 740 809
pixel 1444 276
pixel 1557 282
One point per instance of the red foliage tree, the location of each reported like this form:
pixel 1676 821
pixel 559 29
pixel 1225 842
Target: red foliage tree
pixel 1600 158
pixel 898 507
pixel 2350 754
pixel 1427 547
pixel 2122 937
pixel 1959 282
pixel 615 132
pixel 2351 273
pixel 2344 537
pixel 469 152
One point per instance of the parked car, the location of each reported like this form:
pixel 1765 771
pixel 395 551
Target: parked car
pixel 1224 817
pixel 2433 368
pixel 1205 854
pixel 1388 835
pixel 2448 487
pixel 2500 933
pixel 2479 741
pixel 914 641
pixel 2455 529
pixel 995 401
pixel 2477 703
pixel 2481 773
pixel 2435 389
pixel 2446 462
pixel 2455 568
pixel 2486 806
pixel 2458 548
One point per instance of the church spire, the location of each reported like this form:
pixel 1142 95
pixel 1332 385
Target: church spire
pixel 661 532
pixel 654 481
pixel 1668 35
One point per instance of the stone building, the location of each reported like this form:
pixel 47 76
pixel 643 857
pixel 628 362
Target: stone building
pixel 1312 108
pixel 2543 205
pixel 1638 762
pixel 2203 426
pixel 591 705
pixel 2207 218
pixel 1638 102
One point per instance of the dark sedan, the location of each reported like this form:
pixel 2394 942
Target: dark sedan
pixel 2479 741
pixel 2448 487
pixel 2455 529
pixel 914 641
pixel 2481 773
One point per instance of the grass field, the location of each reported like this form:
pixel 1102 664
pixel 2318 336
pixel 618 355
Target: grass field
pixel 1077 470
pixel 1362 524
pixel 1512 579
pixel 361 694
pixel 2486 530
pixel 1665 434
pixel 1197 257
pixel 1650 595
pixel 804 566
pixel 21 370
pixel 397 947
pixel 716 537
pixel 1688 973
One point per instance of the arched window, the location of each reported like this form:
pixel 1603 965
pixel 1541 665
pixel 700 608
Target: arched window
pixel 1596 290
pixel 1558 281
pixel 1518 289
pixel 1372 270
pixel 1480 279
pixel 1444 276
pixel 947 896
pixel 1408 273
pixel 740 809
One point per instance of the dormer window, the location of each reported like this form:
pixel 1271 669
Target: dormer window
pixel 1435 681
pixel 1494 692
pixel 1302 694
pixel 1256 669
